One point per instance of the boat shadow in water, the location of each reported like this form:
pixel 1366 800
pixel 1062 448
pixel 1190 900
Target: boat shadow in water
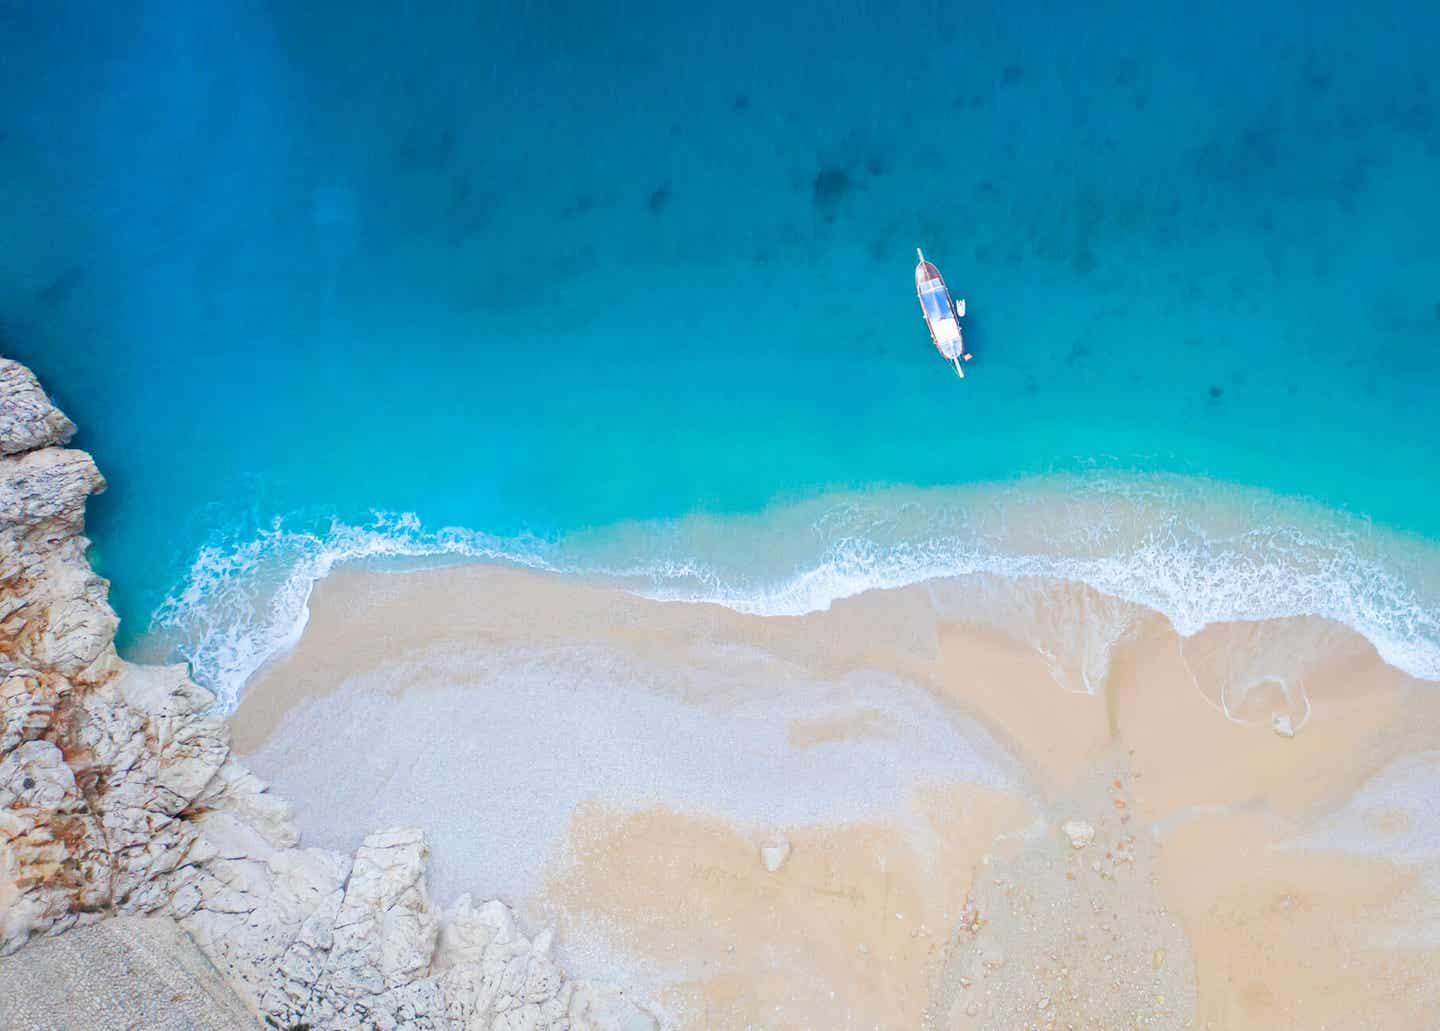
pixel 975 338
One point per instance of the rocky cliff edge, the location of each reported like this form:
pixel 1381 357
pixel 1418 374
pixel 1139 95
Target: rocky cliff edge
pixel 119 795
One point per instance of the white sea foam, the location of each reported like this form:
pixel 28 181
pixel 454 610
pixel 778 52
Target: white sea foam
pixel 1196 551
pixel 242 604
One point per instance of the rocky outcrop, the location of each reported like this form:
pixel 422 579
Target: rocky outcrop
pixel 119 795
pixel 28 421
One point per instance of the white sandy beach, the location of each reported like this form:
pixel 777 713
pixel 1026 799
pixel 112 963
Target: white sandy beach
pixel 856 818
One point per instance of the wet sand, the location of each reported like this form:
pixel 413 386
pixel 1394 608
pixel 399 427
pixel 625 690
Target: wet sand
pixel 855 818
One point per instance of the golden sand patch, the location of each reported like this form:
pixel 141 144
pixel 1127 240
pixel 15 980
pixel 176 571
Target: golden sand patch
pixel 870 723
pixel 1289 939
pixel 844 933
pixel 1190 903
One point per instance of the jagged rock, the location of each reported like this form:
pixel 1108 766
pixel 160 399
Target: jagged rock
pixel 118 794
pixel 386 928
pixel 28 421
pixel 263 915
pixel 248 798
pixel 26 709
pixel 467 932
pixel 54 858
pixel 54 615
pixel 45 491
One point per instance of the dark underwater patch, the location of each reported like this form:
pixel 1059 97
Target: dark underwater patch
pixel 830 188
pixel 1239 159
pixel 425 147
pixel 659 197
pixel 60 289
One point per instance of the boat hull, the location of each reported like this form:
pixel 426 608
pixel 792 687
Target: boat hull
pixel 941 314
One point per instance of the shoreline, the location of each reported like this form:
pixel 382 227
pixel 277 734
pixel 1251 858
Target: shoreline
pixel 392 662
pixel 1197 550
pixel 121 798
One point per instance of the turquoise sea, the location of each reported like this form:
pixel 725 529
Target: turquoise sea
pixel 627 291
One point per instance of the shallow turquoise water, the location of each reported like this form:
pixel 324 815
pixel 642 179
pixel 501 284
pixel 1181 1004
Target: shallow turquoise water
pixel 529 271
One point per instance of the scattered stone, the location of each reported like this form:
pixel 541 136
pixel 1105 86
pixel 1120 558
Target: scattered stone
pixel 1281 724
pixel 1079 832
pixel 773 854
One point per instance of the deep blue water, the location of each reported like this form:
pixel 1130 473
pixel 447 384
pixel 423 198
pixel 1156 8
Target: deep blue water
pixel 528 269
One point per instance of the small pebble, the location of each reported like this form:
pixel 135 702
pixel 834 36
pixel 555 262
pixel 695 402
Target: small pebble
pixel 1079 832
pixel 774 853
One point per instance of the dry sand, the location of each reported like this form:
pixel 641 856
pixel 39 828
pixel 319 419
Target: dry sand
pixel 853 819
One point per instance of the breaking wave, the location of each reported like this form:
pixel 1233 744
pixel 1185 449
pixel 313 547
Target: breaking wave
pixel 1197 551
pixel 241 604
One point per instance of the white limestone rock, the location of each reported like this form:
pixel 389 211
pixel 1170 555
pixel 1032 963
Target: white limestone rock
pixel 54 857
pixel 1080 832
pixel 27 707
pixel 46 491
pixel 54 616
pixel 386 929
pixel 596 1007
pixel 188 745
pixel 28 421
pixel 262 914
pixel 467 932
pixel 239 792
